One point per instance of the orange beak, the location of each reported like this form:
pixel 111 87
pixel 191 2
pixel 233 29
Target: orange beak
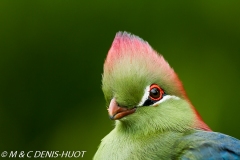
pixel 116 112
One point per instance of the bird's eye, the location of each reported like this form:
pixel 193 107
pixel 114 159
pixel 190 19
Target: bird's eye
pixel 155 92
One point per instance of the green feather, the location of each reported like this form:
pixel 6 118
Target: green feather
pixel 150 132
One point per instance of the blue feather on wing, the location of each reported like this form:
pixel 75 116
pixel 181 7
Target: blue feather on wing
pixel 204 145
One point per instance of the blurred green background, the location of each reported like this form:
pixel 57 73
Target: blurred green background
pixel 52 53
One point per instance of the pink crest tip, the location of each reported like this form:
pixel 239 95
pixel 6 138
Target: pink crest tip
pixel 127 44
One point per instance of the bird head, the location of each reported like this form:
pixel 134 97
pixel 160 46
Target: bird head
pixel 141 88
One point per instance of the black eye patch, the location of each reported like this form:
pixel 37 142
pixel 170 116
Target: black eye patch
pixel 150 102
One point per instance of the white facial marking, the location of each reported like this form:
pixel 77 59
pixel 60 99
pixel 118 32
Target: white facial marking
pixel 146 94
pixel 166 97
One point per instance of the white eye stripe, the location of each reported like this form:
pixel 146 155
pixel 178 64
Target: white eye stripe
pixel 146 94
pixel 166 97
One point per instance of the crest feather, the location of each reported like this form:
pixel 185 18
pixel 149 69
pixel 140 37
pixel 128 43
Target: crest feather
pixel 131 61
pixel 130 52
pixel 132 64
pixel 126 44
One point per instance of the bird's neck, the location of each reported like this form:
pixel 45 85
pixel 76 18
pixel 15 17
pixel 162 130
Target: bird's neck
pixel 176 115
pixel 129 128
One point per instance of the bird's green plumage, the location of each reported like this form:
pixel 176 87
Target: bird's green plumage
pixel 130 66
pixel 152 131
pixel 121 146
pixel 149 133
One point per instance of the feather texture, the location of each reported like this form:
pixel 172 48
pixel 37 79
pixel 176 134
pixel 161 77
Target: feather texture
pixel 207 145
pixel 172 129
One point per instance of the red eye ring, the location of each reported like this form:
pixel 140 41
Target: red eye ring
pixel 155 92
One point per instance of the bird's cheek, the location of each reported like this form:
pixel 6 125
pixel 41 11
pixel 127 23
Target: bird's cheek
pixel 156 105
